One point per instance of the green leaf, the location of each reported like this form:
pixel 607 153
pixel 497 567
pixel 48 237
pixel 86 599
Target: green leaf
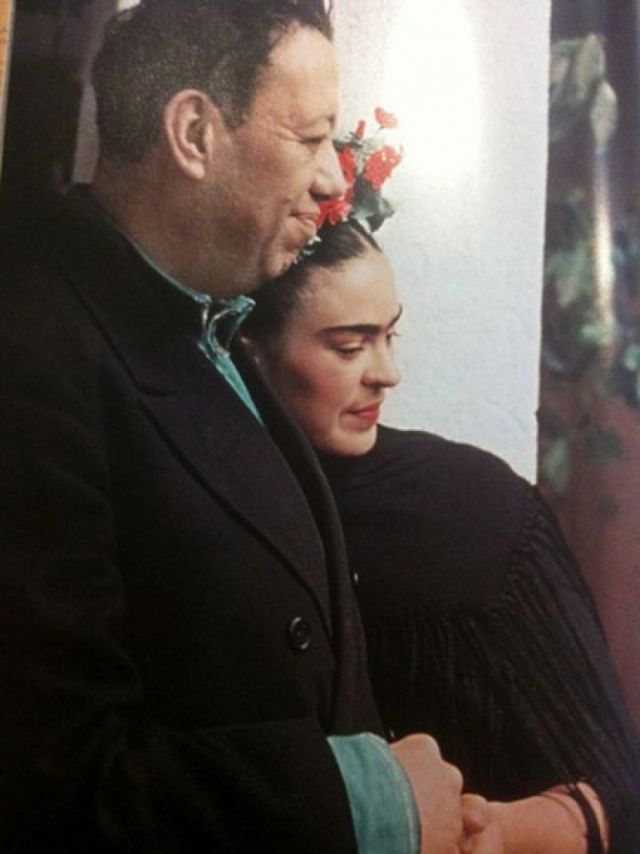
pixel 631 358
pixel 604 114
pixel 604 446
pixel 561 56
pixel 379 218
pixel 552 360
pixel 576 73
pixel 555 464
pixel 571 273
pixel 587 71
pixel 598 333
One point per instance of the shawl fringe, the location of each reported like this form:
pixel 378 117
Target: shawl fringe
pixel 503 688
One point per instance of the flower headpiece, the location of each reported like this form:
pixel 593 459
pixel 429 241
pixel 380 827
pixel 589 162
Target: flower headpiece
pixel 366 164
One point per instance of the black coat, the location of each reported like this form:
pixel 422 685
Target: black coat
pixel 177 627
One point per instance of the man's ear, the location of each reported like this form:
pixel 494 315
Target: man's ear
pixel 190 122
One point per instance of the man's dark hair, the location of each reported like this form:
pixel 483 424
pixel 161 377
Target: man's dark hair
pixel 276 300
pixel 161 47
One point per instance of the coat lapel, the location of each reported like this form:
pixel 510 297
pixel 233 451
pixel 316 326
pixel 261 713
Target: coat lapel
pixel 351 683
pixel 234 457
pixel 154 330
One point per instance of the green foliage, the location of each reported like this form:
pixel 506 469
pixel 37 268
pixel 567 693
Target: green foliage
pixel 555 464
pixel 578 89
pixel 373 208
pixel 603 446
pixel 570 272
pixel 587 339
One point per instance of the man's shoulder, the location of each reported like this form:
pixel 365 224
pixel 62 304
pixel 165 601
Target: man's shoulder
pixel 29 249
pixel 41 317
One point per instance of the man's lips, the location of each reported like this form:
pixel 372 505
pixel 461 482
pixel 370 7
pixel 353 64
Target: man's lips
pixel 309 221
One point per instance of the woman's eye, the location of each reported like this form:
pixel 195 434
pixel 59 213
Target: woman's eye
pixel 351 350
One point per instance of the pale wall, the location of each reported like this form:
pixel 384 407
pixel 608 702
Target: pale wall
pixel 466 242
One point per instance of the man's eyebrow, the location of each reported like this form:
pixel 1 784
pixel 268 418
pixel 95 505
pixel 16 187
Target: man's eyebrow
pixel 363 328
pixel 331 120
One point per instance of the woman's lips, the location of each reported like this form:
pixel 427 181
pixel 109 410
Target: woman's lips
pixel 366 415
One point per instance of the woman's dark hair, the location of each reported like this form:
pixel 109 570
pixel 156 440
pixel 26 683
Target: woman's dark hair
pixel 278 298
pixel 161 47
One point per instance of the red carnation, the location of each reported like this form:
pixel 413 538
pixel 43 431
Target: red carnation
pixel 360 129
pixel 385 119
pixel 380 165
pixel 334 211
pixel 348 163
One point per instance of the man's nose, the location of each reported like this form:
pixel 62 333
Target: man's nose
pixel 329 180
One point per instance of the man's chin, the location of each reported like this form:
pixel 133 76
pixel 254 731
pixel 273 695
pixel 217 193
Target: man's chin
pixel 279 266
pixel 291 253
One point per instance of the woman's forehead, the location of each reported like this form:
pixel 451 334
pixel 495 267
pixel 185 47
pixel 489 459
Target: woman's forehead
pixel 359 291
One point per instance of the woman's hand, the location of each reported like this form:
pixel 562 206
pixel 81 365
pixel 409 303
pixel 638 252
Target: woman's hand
pixel 482 831
pixel 549 821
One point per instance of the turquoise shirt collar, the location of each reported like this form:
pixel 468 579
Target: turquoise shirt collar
pixel 221 319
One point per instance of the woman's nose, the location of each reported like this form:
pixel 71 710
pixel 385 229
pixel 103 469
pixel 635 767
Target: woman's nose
pixel 382 369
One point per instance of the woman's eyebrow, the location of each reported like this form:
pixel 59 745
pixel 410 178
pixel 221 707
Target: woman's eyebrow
pixel 363 328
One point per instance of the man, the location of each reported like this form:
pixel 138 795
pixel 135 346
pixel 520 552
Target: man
pixel 181 658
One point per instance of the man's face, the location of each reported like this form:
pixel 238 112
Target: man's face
pixel 273 169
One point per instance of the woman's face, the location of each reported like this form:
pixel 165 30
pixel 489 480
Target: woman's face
pixel 335 358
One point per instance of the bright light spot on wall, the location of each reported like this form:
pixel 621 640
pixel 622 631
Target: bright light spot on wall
pixel 431 83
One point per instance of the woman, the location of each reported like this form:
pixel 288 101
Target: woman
pixel 480 628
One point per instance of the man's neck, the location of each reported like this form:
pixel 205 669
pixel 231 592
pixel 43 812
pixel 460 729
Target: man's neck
pixel 125 195
pixel 159 214
pixel 147 210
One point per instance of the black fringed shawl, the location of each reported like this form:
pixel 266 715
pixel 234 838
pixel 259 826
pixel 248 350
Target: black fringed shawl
pixel 480 628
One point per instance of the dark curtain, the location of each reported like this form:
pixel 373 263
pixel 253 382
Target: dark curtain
pixel 53 42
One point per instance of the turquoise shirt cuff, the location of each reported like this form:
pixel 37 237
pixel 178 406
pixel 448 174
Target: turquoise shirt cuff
pixel 383 810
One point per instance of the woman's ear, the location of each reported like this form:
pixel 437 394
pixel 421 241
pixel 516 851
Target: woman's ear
pixel 190 121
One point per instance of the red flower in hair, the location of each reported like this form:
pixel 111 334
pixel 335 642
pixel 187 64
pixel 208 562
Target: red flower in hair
pixel 385 119
pixel 380 165
pixel 348 163
pixel 360 129
pixel 334 211
pixel 366 163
